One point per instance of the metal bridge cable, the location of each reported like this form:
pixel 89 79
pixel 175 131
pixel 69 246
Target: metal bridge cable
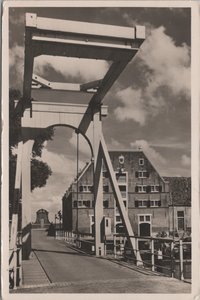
pixel 94 157
pixel 77 175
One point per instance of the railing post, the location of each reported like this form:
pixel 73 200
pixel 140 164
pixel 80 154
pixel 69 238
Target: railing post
pixel 20 266
pixel 172 259
pixel 14 269
pixel 152 256
pixel 105 246
pixel 115 250
pixel 181 259
pixel 137 252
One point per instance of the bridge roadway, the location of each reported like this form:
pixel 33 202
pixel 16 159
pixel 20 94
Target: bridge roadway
pixel 62 269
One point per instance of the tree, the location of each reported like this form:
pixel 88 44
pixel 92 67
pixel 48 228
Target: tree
pixel 40 171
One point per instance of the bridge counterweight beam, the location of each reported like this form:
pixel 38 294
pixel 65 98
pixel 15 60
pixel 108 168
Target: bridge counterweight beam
pixel 28 67
pixel 119 200
pixel 26 192
pixel 98 185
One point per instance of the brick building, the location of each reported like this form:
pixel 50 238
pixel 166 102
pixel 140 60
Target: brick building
pixel 180 204
pixel 145 195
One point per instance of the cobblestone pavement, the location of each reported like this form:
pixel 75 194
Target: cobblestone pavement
pixel 64 270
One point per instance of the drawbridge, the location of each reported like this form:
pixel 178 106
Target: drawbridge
pixel 44 36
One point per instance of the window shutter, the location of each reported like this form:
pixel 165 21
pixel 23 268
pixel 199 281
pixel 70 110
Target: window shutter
pixel 136 189
pixel 105 188
pixel 159 203
pixel 148 189
pixel 136 174
pixel 160 188
pixel 136 203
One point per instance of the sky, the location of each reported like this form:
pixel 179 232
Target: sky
pixel 149 106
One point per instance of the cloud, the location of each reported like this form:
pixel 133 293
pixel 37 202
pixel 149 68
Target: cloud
pixel 85 69
pixel 154 156
pixel 64 172
pixel 166 69
pixel 133 106
pixel 70 68
pixel 170 63
pixel 84 147
pixel 114 144
pixel 60 163
pixel 50 196
pixel 171 145
pixel 185 160
pixel 16 64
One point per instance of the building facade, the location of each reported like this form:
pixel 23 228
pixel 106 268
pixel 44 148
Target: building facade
pixel 42 219
pixel 145 194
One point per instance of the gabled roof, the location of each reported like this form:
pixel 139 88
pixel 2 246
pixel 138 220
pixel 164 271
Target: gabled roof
pixel 136 154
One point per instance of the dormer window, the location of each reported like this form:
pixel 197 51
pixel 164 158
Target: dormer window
pixel 141 161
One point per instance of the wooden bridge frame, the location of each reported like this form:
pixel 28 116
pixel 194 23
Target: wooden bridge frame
pixel 44 36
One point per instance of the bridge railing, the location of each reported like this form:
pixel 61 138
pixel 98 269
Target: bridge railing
pixel 15 267
pixel 83 241
pixel 162 255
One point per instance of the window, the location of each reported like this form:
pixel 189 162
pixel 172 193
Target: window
pixel 141 218
pixel 105 174
pixel 85 188
pixel 83 204
pixel 180 218
pixel 105 203
pixel 106 188
pixel 142 203
pixel 122 189
pixel 141 161
pixel 142 174
pixel 86 203
pixel 155 203
pixel 141 188
pixel 121 177
pixel 155 188
pixel 147 218
pixel 125 203
pixel 118 219
pixel 144 218
pixel 106 222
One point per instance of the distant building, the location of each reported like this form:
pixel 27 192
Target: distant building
pixel 180 204
pixel 42 219
pixel 145 194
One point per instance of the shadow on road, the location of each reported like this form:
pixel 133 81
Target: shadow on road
pixel 61 252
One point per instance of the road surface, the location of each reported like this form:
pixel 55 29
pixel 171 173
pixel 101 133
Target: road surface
pixel 69 271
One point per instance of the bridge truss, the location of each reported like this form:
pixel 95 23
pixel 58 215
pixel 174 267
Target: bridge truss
pixel 44 36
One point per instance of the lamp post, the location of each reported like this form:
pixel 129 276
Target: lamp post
pixel 173 221
pixel 60 217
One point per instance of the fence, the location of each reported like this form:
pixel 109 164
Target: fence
pixel 15 268
pixel 161 255
pixel 82 241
